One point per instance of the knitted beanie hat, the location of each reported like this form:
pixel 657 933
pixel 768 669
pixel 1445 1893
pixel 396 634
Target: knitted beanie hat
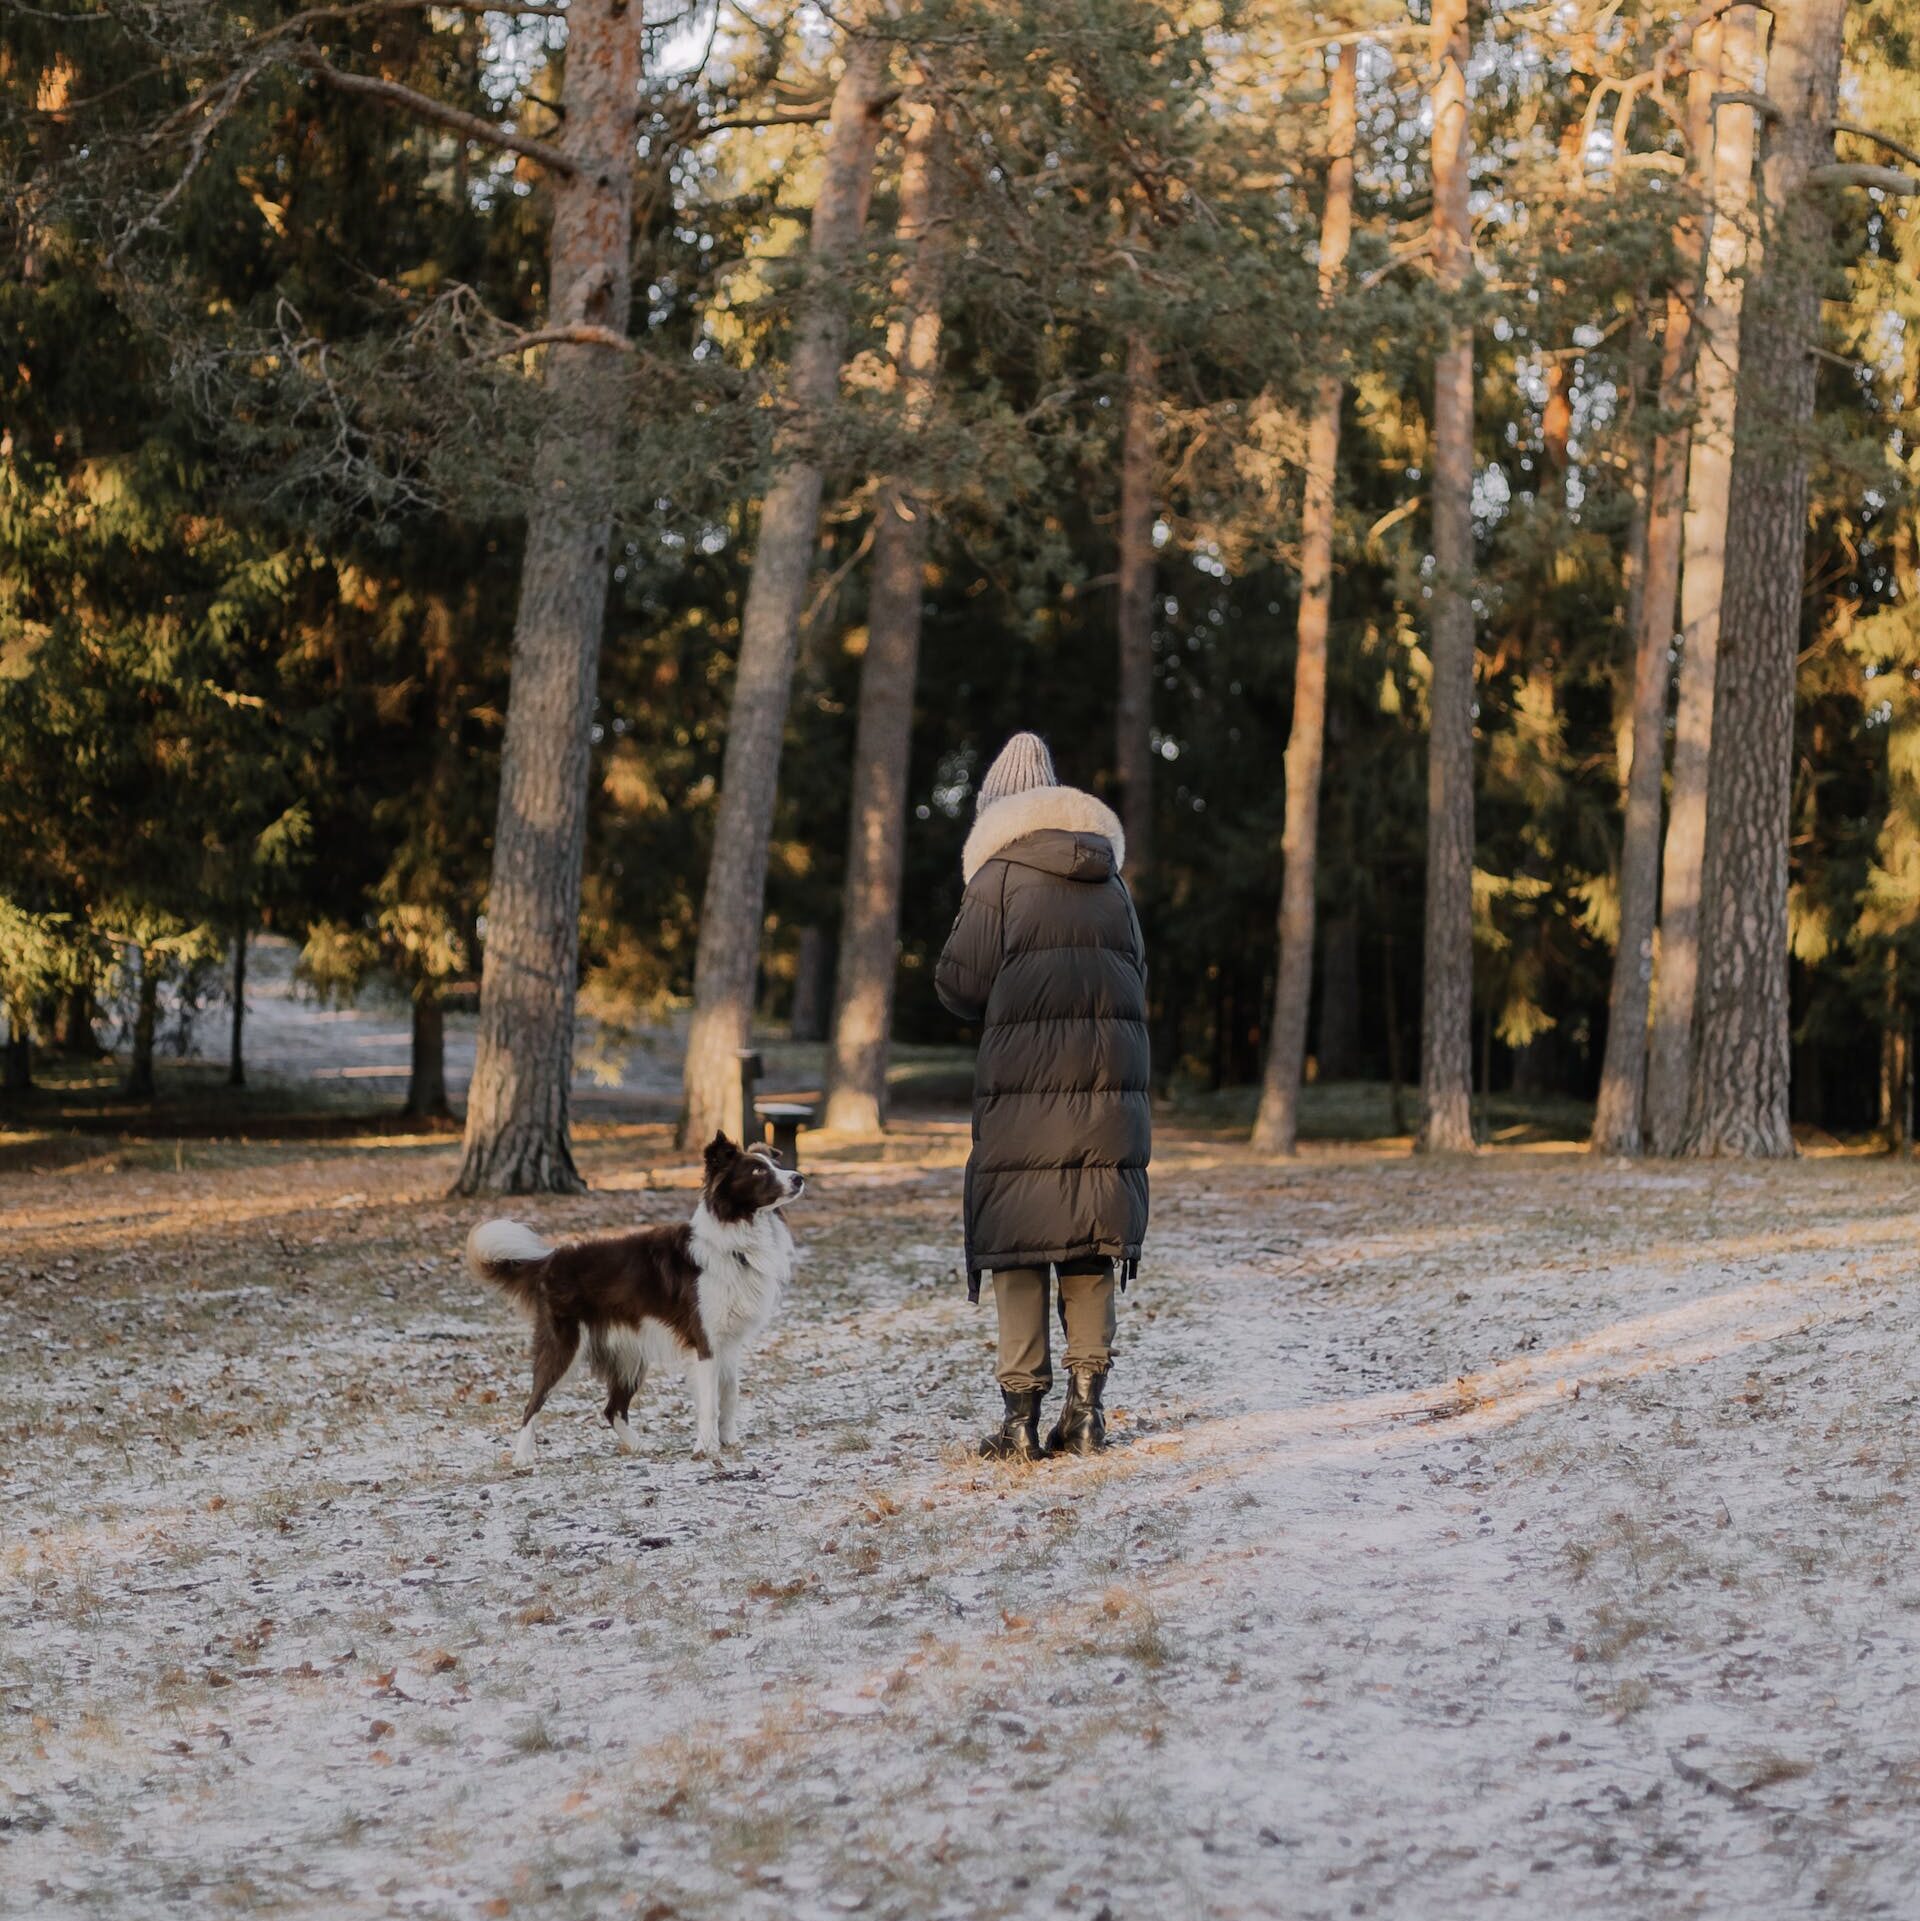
pixel 1021 764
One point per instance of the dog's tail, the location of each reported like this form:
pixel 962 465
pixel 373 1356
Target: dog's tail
pixel 509 1255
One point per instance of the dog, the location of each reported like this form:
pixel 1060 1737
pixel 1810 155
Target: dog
pixel 693 1297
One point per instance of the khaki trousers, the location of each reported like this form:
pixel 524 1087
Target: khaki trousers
pixel 1087 1314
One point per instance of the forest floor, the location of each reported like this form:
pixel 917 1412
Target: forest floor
pixel 1521 1529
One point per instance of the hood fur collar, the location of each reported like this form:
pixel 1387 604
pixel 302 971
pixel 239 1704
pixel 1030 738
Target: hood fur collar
pixel 1039 808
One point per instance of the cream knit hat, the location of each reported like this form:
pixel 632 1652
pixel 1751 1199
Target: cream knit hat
pixel 1021 764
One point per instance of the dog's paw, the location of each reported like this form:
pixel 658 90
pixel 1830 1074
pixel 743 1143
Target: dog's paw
pixel 624 1434
pixel 523 1447
pixel 707 1447
pixel 729 1437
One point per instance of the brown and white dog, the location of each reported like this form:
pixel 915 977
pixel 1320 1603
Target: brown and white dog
pixel 691 1297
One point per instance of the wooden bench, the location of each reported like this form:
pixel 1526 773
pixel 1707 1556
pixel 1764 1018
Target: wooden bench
pixel 776 1122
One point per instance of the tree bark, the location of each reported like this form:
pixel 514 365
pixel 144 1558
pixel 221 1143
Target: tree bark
pixel 236 1035
pixel 1338 1047
pixel 427 1080
pixel 1133 719
pixel 1446 1007
pixel 1623 1073
pixel 876 840
pixel 146 1020
pixel 517 1136
pixel 1896 1092
pixel 1739 1100
pixel 18 1074
pixel 77 1038
pixel 812 983
pixel 734 905
pixel 1704 536
pixel 1390 997
pixel 1277 1125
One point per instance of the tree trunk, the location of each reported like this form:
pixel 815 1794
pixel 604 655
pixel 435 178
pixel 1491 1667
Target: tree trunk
pixel 1738 1103
pixel 812 984
pixel 77 1038
pixel 427 1081
pixel 236 1050
pixel 734 906
pixel 1339 1041
pixel 517 1138
pixel 146 1019
pixel 876 839
pixel 1133 720
pixel 1396 1076
pixel 1623 1073
pixel 1276 1127
pixel 1896 1089
pixel 18 1075
pixel 1446 1006
pixel 1710 469
pixel 1633 576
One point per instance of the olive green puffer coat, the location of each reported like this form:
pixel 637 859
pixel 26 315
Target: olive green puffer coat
pixel 1046 956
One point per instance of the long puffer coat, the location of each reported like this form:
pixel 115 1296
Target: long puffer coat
pixel 1046 956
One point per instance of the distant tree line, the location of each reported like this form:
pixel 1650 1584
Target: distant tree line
pixel 572 495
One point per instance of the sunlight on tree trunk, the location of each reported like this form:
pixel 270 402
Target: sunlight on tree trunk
pixel 1276 1127
pixel 1133 722
pixel 1738 1102
pixel 876 839
pixel 1623 1073
pixel 517 1136
pixel 1446 1024
pixel 734 905
pixel 1710 468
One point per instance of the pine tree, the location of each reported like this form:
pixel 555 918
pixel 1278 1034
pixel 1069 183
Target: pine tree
pixel 1739 1099
pixel 1276 1127
pixel 870 915
pixel 1446 1070
pixel 1617 1113
pixel 1704 531
pixel 731 915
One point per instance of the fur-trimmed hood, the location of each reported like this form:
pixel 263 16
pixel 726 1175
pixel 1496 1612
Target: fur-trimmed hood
pixel 1040 810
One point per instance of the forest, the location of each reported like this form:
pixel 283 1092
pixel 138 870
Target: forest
pixel 534 541
pixel 562 502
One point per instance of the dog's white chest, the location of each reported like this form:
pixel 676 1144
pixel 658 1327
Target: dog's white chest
pixel 742 1270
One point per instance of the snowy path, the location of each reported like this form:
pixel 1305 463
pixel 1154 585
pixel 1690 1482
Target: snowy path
pixel 1527 1532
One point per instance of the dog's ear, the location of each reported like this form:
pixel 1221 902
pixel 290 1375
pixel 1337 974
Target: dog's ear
pixel 721 1153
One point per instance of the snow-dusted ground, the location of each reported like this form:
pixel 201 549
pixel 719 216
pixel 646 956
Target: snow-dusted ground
pixel 1526 1534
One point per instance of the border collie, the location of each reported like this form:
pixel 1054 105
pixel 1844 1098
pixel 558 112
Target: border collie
pixel 663 1298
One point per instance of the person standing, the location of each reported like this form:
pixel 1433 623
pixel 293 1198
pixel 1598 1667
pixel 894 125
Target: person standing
pixel 1046 957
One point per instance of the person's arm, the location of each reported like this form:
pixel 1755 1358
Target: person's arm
pixel 971 958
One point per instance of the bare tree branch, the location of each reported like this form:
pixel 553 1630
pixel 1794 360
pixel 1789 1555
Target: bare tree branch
pixel 1850 174
pixel 584 335
pixel 218 102
pixel 781 117
pixel 424 107
pixel 1879 139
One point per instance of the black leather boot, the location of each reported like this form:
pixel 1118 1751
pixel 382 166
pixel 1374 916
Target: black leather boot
pixel 1017 1438
pixel 1082 1427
